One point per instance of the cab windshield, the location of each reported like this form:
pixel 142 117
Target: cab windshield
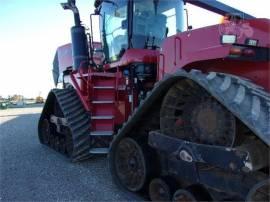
pixel 114 34
pixel 154 20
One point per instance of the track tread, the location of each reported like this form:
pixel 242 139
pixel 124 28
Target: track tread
pixel 246 100
pixel 78 122
pixel 80 112
pixel 81 139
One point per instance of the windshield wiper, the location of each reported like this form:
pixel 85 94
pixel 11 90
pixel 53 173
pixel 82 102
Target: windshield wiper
pixel 153 46
pixel 146 42
pixel 156 2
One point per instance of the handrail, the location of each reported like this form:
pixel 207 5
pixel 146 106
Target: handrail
pixel 161 55
pixel 175 46
pixel 78 90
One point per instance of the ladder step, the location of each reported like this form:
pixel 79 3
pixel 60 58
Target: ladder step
pixel 101 133
pixel 99 74
pixel 103 102
pixel 99 151
pixel 101 117
pixel 122 87
pixel 104 87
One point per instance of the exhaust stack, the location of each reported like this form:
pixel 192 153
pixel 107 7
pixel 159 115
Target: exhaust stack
pixel 80 53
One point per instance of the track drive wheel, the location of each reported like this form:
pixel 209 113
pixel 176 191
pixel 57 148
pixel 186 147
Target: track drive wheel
pixel 130 165
pixel 189 112
pixel 159 190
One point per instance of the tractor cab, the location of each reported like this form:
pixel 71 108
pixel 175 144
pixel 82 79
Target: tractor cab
pixel 137 24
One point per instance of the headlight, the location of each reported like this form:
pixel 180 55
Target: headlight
pixel 228 39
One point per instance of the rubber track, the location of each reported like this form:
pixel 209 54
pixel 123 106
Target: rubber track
pixel 249 102
pixel 77 119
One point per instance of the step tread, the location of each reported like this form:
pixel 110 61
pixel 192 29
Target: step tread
pixel 101 133
pixel 102 117
pixel 99 150
pixel 103 101
pixel 121 87
pixel 103 87
pixel 99 74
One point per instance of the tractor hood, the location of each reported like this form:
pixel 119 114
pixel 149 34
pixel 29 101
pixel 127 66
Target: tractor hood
pixel 205 43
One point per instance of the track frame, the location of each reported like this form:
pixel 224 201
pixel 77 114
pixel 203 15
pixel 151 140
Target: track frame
pixel 213 167
pixel 237 159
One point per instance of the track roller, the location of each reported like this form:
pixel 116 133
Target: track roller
pixel 184 195
pixel 131 167
pixel 159 190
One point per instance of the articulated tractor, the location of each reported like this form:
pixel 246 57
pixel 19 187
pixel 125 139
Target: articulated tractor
pixel 183 114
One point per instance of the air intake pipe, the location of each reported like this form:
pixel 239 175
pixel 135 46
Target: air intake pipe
pixel 80 51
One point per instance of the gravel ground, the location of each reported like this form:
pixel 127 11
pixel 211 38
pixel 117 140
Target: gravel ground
pixel 32 172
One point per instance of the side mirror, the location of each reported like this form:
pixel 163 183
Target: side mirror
pixel 189 27
pixel 94 37
pixel 95 27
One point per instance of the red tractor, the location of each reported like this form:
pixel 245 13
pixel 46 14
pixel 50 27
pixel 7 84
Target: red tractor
pixel 182 113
